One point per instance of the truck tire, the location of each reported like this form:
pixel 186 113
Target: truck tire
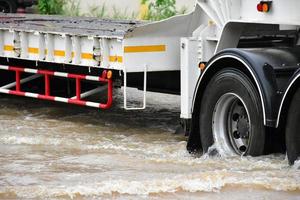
pixel 231 116
pixel 8 6
pixel 293 128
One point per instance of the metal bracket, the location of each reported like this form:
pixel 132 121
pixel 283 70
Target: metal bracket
pixel 144 92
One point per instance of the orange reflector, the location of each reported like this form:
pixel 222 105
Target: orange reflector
pixel 265 7
pixel 109 74
pixel 202 66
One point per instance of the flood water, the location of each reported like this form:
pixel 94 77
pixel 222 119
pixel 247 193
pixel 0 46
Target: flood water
pixel 57 151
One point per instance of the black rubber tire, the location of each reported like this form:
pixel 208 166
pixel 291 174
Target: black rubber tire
pixel 293 128
pixel 234 81
pixel 8 6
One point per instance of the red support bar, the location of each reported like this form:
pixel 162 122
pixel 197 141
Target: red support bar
pixel 46 72
pixel 47 95
pixel 44 97
pixel 17 93
pixel 76 76
pixel 47 84
pixel 16 69
pixel 77 102
pixel 109 96
pixel 18 80
pixel 78 89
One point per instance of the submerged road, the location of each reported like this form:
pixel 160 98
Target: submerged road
pixel 57 151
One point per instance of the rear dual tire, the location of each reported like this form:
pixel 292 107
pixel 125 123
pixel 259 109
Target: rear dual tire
pixel 293 129
pixel 231 116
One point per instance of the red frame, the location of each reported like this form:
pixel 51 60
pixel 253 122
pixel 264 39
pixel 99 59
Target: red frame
pixel 47 95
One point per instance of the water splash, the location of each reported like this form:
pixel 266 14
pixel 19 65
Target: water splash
pixel 58 152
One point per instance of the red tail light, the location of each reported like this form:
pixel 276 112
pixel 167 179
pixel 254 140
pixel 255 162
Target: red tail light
pixel 259 7
pixel 264 6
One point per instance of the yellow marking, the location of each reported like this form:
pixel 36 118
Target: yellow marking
pixel 59 53
pixel 87 56
pixel 33 50
pixel 8 48
pixel 116 59
pixel 145 49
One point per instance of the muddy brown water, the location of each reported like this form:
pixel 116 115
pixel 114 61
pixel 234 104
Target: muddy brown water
pixel 57 151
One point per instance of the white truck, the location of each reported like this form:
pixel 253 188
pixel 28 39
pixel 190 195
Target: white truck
pixel 235 64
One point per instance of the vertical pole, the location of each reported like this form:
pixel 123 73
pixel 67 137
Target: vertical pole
pixel 109 93
pixel 18 84
pixel 47 85
pixel 125 88
pixel 78 89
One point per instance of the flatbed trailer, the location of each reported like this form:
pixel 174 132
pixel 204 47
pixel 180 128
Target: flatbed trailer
pixel 235 64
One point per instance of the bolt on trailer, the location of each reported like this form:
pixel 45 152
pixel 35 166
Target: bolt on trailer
pixel 235 64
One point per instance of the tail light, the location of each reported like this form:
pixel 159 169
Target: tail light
pixel 264 6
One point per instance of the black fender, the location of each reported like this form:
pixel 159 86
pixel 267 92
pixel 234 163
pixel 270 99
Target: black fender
pixel 292 86
pixel 261 66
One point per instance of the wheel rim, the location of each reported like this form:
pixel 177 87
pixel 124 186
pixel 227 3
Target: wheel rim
pixel 4 7
pixel 231 125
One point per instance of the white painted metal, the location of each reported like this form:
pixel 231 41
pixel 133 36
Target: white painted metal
pixel 241 13
pixel 222 11
pixel 189 71
pixel 50 47
pixel 4 67
pixel 144 91
pixel 61 99
pixel 41 45
pixel 68 49
pixel 282 12
pixel 228 18
pixel 32 95
pixel 165 33
pixel 101 51
pixel 24 44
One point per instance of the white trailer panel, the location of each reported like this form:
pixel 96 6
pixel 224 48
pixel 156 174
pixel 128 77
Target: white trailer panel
pixel 98 43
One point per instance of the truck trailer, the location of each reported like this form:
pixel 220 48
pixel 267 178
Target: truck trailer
pixel 235 64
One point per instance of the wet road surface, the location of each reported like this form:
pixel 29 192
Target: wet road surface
pixel 57 151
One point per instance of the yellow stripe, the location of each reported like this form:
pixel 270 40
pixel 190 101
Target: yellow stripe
pixel 59 53
pixel 33 50
pixel 87 56
pixel 116 59
pixel 8 48
pixel 145 49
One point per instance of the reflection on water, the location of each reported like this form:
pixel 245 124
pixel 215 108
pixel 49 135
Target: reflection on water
pixel 56 151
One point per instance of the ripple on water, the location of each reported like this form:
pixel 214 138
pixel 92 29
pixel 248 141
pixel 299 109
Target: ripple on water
pixel 57 151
